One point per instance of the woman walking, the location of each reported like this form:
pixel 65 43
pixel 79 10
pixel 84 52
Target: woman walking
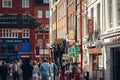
pixel 35 71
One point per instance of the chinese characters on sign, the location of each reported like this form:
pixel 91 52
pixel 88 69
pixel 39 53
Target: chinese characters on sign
pixel 90 26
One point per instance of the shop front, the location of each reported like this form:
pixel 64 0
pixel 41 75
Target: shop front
pixel 111 58
pixel 96 63
pixel 9 57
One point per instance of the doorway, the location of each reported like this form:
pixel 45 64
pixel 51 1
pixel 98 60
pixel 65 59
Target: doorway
pixel 116 63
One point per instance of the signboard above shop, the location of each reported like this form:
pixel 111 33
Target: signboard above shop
pixel 13 40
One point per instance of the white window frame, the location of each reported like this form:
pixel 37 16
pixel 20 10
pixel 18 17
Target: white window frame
pixel 40 14
pixel 25 33
pixel 25 3
pixel 6 6
pixel 7 33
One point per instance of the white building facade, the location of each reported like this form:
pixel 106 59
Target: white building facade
pixel 111 39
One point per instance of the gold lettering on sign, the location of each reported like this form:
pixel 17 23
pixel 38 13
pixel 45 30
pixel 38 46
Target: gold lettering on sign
pixel 16 30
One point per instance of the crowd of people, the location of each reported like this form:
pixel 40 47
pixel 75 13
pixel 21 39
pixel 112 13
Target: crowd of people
pixel 36 70
pixel 28 69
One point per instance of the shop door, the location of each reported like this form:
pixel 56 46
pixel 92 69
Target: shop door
pixel 116 63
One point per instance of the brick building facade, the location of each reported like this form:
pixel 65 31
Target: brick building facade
pixel 22 24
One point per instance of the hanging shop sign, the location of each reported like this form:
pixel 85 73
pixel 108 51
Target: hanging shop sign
pixel 71 35
pixel 90 26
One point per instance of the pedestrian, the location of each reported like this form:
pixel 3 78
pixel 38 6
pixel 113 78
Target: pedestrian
pixel 45 70
pixel 10 70
pixel 76 69
pixel 63 69
pixel 35 71
pixel 53 70
pixel 15 70
pixel 27 69
pixel 4 71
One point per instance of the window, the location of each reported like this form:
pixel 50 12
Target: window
pixel 45 1
pixel 40 43
pixel 47 14
pixel 118 12
pixel 6 3
pixel 9 33
pixel 39 14
pixel 25 33
pixel 47 27
pixel 110 14
pixel 25 3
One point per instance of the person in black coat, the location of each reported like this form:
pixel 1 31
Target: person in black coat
pixel 4 71
pixel 27 69
pixel 63 70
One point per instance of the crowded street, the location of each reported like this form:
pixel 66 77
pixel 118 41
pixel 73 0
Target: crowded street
pixel 59 39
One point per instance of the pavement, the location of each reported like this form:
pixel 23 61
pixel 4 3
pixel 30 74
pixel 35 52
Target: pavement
pixel 20 78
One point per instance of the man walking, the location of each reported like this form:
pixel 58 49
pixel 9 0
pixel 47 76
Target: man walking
pixel 45 70
pixel 15 70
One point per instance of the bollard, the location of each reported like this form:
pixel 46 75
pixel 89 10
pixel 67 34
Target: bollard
pixel 60 74
pixel 67 76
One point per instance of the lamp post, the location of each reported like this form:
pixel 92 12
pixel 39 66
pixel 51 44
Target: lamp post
pixel 81 52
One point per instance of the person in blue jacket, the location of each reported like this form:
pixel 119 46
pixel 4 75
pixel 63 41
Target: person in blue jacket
pixel 45 70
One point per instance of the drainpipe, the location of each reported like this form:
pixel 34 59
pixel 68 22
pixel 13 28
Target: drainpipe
pixel 81 52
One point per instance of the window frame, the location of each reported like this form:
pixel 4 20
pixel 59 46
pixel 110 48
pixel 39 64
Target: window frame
pixel 46 1
pixel 25 3
pixel 41 14
pixel 47 14
pixel 6 6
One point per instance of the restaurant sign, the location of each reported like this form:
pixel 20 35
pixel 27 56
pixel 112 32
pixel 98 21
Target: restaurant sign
pixel 13 40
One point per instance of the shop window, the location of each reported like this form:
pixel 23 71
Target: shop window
pixel 97 61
